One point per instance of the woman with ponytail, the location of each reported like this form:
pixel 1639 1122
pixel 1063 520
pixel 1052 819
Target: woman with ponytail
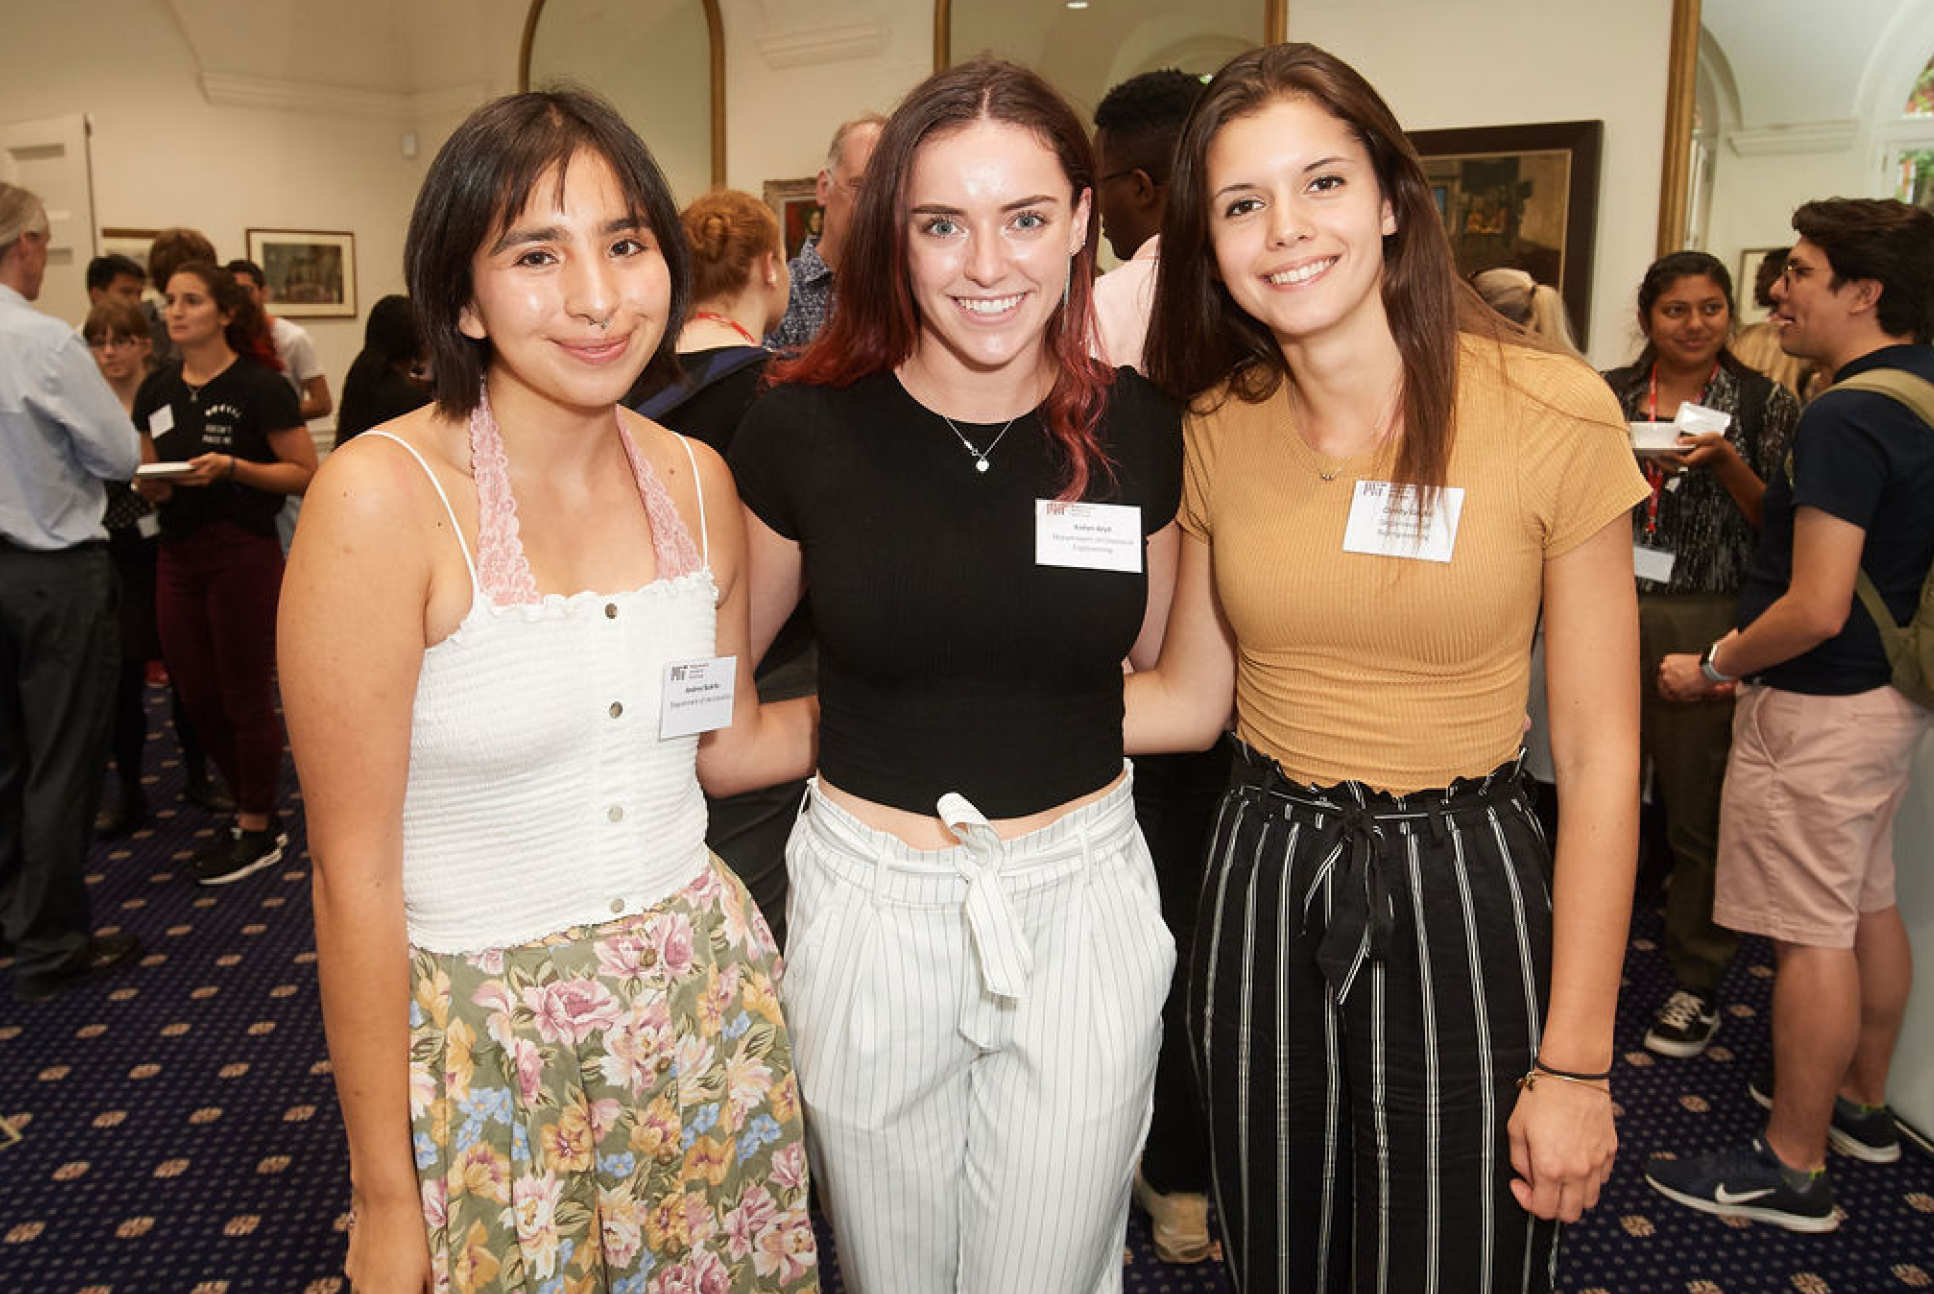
pixel 981 519
pixel 225 418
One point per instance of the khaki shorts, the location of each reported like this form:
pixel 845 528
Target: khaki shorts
pixel 1806 823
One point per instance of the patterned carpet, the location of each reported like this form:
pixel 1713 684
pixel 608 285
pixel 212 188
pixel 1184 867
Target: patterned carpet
pixel 181 1132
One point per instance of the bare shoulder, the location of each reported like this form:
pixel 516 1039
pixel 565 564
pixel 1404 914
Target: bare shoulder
pixel 374 481
pixel 668 451
pixel 1563 384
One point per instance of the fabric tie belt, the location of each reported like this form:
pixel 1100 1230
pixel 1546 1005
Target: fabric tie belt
pixel 1358 918
pixel 1006 960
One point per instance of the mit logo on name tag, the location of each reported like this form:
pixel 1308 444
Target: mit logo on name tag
pixel 1389 520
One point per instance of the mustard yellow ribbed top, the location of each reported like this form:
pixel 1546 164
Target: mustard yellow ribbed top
pixel 1400 673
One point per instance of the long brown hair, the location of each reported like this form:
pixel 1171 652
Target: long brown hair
pixel 875 325
pixel 1199 337
pixel 247 330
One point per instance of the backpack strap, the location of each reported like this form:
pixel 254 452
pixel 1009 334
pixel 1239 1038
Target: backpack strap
pixel 1916 394
pixel 719 364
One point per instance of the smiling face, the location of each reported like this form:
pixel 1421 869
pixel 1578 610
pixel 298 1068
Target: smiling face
pixel 573 294
pixel 1297 221
pixel 192 314
pixel 1815 318
pixel 992 226
pixel 1688 323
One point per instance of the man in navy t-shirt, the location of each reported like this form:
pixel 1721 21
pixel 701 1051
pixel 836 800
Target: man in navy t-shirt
pixel 1822 744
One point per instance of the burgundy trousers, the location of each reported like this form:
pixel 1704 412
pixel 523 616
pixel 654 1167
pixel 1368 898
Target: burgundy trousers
pixel 215 598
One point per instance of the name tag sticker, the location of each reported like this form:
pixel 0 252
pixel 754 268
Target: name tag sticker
pixel 1652 563
pixel 1088 536
pixel 1388 520
pixel 698 696
pixel 161 421
pixel 1697 419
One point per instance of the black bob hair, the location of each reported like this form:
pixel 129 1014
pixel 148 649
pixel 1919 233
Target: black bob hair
pixel 481 179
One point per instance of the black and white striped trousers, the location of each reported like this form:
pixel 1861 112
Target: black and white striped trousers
pixel 1368 982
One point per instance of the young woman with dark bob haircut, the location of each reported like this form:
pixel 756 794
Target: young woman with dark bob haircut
pixel 1403 1044
pixel 551 1011
pixel 978 514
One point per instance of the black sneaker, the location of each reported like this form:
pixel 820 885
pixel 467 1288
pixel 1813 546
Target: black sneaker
pixel 1746 1182
pixel 1683 1026
pixel 243 853
pixel 1856 1132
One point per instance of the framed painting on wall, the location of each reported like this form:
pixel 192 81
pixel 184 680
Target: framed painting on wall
pixel 797 204
pixel 311 273
pixel 119 240
pixel 1523 196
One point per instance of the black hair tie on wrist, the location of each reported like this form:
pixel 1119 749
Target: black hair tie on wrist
pixel 1574 1076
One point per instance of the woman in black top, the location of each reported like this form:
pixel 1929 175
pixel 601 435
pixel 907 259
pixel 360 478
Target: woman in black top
pixel 382 382
pixel 1692 540
pixel 977 514
pixel 739 289
pixel 229 423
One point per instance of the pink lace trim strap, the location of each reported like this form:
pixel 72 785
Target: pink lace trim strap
pixel 671 542
pixel 502 569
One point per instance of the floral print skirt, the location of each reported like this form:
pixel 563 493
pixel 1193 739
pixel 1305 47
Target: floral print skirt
pixel 611 1109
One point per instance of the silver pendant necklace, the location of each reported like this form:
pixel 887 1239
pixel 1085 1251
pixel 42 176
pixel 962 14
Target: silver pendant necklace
pixel 979 455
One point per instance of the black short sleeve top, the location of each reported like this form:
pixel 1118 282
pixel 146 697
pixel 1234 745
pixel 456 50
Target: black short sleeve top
pixel 1866 459
pixel 232 413
pixel 949 659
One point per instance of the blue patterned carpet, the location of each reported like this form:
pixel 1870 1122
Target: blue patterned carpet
pixel 181 1131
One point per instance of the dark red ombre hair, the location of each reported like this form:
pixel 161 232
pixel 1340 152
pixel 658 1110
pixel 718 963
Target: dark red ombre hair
pixel 875 325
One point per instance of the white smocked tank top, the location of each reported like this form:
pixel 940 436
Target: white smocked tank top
pixel 540 796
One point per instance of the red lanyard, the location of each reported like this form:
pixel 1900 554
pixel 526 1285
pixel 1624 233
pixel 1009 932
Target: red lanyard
pixel 733 324
pixel 1655 476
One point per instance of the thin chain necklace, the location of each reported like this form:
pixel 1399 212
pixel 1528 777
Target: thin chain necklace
pixel 1379 429
pixel 980 455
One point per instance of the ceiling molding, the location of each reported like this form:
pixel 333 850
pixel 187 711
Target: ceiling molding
pixel 236 90
pixel 810 46
pixel 1799 137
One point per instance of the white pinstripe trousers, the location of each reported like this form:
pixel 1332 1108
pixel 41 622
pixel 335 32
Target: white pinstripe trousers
pixel 975 1033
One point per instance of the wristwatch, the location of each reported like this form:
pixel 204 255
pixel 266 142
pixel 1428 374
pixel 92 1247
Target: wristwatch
pixel 1710 669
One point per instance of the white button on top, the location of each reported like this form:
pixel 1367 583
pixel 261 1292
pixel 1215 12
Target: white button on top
pixel 617 905
pixel 616 813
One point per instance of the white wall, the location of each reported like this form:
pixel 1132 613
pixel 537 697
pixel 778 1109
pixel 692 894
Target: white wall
pixel 163 155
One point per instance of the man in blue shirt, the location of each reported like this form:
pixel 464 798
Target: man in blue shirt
pixel 1822 744
pixel 837 190
pixel 61 433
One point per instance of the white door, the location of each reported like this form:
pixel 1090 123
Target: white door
pixel 50 157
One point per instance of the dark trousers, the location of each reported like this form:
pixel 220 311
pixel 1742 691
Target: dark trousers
pixel 1175 803
pixel 1688 743
pixel 57 654
pixel 215 599
pixel 1369 982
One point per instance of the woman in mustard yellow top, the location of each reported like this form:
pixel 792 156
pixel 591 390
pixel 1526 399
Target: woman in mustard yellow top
pixel 1404 1047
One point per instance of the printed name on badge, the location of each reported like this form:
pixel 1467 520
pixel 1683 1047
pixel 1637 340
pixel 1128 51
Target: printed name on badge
pixel 1388 520
pixel 698 696
pixel 1088 536
pixel 1652 563
pixel 161 421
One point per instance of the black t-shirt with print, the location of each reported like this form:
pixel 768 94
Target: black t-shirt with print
pixel 232 413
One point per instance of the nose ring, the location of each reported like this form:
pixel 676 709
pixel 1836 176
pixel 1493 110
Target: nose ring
pixel 602 324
